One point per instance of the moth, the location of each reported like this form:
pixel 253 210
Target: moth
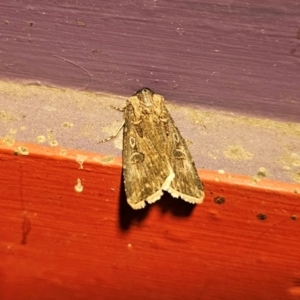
pixel 155 156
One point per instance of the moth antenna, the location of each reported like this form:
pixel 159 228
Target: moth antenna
pixel 83 69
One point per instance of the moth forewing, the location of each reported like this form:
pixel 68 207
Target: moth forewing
pixel 155 156
pixel 145 168
pixel 186 184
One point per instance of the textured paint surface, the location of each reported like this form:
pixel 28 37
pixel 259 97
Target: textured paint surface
pixel 241 243
pixel 230 55
pixel 262 148
pixel 59 243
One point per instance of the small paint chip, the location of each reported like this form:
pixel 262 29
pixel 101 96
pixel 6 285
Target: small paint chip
pixel 255 179
pixel 26 227
pixel 219 200
pixel 262 173
pixel 237 152
pixel 80 23
pixel 80 159
pixel 63 152
pixel 50 134
pixel 293 217
pixel 53 143
pixel 6 116
pixel 8 140
pixel 13 130
pixel 22 150
pixel 261 217
pixel 107 159
pixel 67 125
pixel 78 187
pixel 41 139
pixel 221 171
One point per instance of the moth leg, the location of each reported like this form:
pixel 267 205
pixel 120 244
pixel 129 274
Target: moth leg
pixel 118 108
pixel 188 141
pixel 114 135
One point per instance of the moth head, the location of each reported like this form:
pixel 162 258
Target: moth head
pixel 144 90
pixel 145 96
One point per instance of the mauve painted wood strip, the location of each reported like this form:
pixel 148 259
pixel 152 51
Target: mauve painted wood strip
pixel 236 56
pixel 78 120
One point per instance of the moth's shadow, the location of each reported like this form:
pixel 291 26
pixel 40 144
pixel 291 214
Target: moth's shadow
pixel 167 203
pixel 127 215
pixel 175 206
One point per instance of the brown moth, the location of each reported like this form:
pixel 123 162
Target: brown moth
pixel 155 156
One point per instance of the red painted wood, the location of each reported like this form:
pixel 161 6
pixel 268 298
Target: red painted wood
pixel 56 243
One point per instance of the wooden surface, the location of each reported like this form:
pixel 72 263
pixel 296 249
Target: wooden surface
pixel 232 55
pixel 56 243
pixel 78 120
